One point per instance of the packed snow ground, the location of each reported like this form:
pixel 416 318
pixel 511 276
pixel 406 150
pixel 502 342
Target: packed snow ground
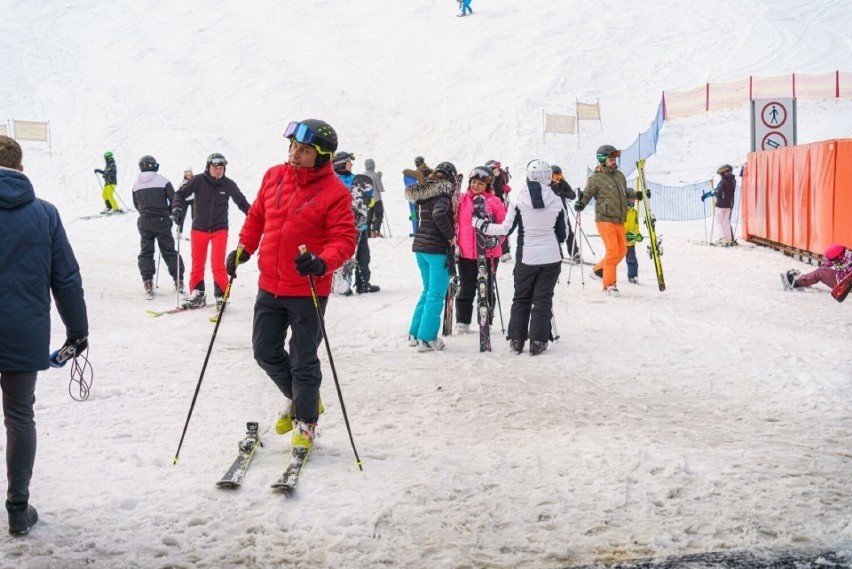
pixel 713 416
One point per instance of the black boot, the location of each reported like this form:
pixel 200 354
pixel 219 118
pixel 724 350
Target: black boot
pixel 516 346
pixel 20 521
pixel 537 347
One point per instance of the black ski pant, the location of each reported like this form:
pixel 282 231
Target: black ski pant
pixel 468 272
pixel 375 216
pixel 362 259
pixel 159 229
pixel 532 305
pixel 296 372
pixel 18 400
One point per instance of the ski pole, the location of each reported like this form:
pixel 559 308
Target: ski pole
pixel 497 296
pixel 303 249
pixel 179 262
pixel 116 194
pixel 207 357
pixel 157 276
pixel 553 326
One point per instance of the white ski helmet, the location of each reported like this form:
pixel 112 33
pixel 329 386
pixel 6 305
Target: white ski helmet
pixel 539 171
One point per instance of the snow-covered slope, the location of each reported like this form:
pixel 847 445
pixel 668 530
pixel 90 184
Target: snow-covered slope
pixel 713 416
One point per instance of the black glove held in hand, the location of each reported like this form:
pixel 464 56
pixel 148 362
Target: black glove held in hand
pixel 176 214
pixel 309 264
pixel 579 206
pixel 231 262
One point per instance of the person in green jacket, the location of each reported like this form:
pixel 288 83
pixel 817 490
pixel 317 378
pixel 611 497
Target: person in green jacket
pixel 608 187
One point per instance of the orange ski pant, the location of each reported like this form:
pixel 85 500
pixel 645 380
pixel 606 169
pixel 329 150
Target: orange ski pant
pixel 615 243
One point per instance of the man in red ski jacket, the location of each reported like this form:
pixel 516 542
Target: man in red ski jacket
pixel 299 203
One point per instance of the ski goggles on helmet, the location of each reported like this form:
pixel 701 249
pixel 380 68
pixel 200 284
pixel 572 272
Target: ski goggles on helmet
pixel 218 161
pixel 302 133
pixel 613 154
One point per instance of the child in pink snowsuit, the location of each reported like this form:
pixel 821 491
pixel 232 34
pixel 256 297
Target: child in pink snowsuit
pixel 837 264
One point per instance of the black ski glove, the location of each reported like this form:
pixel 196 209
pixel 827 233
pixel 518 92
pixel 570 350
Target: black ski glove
pixel 579 206
pixel 309 264
pixel 98 171
pixel 176 211
pixel 232 262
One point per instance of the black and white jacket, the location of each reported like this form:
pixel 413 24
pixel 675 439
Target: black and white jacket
pixel 540 218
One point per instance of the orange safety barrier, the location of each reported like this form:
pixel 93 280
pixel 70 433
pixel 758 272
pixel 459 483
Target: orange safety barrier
pixel 800 196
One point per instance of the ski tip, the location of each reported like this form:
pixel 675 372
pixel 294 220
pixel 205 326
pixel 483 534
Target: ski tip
pixel 175 461
pixel 227 485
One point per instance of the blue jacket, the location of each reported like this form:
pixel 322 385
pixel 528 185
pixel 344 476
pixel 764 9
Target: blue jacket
pixel 36 258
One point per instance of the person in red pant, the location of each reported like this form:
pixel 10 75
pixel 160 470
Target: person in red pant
pixel 213 192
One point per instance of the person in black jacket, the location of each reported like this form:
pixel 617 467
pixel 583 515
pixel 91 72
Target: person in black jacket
pixel 724 194
pixel 434 198
pixel 37 260
pixel 110 180
pixel 153 196
pixel 213 192
pixel 565 192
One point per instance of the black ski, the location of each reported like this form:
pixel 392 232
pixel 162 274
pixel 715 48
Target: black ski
pixel 450 299
pixel 286 484
pixel 483 310
pixel 247 446
pixel 654 248
pixel 452 260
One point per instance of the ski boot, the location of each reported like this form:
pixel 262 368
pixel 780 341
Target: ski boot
pixel 537 347
pixel 516 346
pixel 149 289
pixel 788 279
pixel 196 299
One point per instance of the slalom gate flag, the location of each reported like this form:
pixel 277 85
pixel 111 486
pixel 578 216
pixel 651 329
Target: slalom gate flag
pixel 560 124
pixel 589 112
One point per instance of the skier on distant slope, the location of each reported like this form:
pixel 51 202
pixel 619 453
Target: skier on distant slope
pixel 479 184
pixel 837 265
pixel 538 259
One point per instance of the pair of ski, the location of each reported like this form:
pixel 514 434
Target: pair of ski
pixel 285 484
pixel 650 223
pixel 483 272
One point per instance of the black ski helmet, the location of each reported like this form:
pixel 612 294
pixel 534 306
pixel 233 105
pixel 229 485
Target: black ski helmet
pixel 555 169
pixel 148 164
pixel 448 170
pixel 418 160
pixel 607 151
pixel 318 134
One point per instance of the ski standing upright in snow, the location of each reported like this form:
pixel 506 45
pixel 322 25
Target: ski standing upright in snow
pixel 452 261
pixel 234 476
pixel 654 249
pixel 483 308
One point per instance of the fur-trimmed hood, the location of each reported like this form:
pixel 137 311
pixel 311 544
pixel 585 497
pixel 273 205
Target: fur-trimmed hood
pixel 428 189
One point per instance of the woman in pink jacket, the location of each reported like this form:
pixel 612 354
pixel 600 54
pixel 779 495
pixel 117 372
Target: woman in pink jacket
pixel 479 184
